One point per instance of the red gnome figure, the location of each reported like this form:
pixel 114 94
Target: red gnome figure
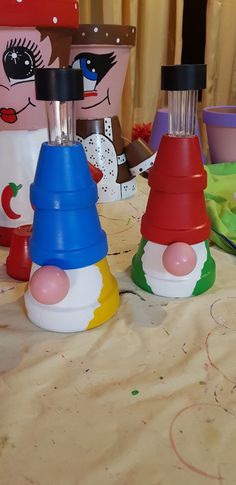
pixel 174 259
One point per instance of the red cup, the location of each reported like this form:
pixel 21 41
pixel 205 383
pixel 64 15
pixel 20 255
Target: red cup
pixel 18 264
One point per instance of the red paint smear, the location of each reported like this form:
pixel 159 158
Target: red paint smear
pixel 174 447
pixel 212 363
pixel 88 94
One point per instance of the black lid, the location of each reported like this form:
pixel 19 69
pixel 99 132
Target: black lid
pixel 182 77
pixel 59 84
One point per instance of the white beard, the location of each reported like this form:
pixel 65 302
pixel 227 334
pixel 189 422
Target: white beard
pixel 76 310
pixel 163 283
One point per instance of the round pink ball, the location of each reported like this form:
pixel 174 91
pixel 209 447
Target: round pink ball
pixel 49 285
pixel 179 259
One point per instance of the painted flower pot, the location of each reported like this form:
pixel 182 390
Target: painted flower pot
pixel 221 132
pixel 25 47
pixel 173 258
pixel 71 287
pixel 102 52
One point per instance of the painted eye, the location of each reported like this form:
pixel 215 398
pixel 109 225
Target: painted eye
pixel 94 66
pixel 89 70
pixel 19 63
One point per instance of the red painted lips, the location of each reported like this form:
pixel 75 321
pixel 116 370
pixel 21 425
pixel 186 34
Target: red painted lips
pixel 90 93
pixel 8 115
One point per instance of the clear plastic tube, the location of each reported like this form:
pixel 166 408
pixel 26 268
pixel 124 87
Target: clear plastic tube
pixel 182 112
pixel 61 122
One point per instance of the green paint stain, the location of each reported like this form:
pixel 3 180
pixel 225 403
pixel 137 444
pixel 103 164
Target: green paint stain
pixel 161 377
pixel 128 221
pixel 135 392
pixel 202 383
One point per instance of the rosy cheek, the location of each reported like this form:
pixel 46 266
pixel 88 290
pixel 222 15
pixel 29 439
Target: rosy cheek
pixel 49 285
pixel 179 259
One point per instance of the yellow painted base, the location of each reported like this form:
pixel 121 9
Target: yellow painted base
pixel 109 297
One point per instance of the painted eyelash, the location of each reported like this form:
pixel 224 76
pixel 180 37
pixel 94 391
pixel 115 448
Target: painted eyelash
pixel 31 46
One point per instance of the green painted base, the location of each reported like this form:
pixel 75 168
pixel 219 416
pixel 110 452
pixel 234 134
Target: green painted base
pixel 208 274
pixel 205 282
pixel 137 273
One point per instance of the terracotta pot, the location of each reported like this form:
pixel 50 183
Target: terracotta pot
pixel 160 128
pixel 221 132
pixel 102 52
pixel 22 119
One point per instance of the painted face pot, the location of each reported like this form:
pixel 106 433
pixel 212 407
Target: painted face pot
pixel 24 47
pixel 102 52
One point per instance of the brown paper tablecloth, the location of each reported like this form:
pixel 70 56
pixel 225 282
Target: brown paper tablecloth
pixel 146 399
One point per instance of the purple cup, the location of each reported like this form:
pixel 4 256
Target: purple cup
pixel 160 128
pixel 221 132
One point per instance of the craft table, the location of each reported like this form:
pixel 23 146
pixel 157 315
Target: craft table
pixel 148 398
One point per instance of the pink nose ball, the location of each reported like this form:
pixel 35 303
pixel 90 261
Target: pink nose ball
pixel 49 285
pixel 179 259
